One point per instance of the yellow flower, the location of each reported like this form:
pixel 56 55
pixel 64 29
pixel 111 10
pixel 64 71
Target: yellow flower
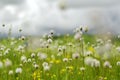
pixel 91 49
pixel 62 71
pixel 57 61
pixel 79 73
pixel 36 75
pixel 71 67
pixel 105 78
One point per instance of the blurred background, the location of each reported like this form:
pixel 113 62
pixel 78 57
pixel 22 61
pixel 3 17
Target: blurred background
pixel 36 17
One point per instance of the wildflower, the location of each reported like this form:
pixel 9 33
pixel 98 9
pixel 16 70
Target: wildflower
pixel 86 29
pixel 29 60
pixel 118 63
pixel 49 41
pixel 47 45
pixel 6 51
pixel 21 65
pixel 49 36
pixel 3 25
pixel 33 55
pixel 8 63
pixel 45 64
pixel 63 48
pixel 78 35
pixel 46 68
pixel 62 71
pixel 107 64
pixel 118 36
pixel 95 63
pixel 88 53
pixel 10 72
pixel 69 67
pixel 59 49
pixel 70 44
pixel 42 56
pixel 70 59
pixel 92 62
pixel 65 59
pixel 75 55
pixel 23 58
pixel 82 69
pixel 51 32
pixel 22 38
pixel 20 48
pixel 18 70
pixel 36 66
pixel 118 49
pixel 20 30
pixel 1 64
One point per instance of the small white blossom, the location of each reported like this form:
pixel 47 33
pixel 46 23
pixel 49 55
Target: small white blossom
pixel 1 64
pixel 46 68
pixel 7 63
pixel 49 41
pixel 36 66
pixel 45 64
pixel 107 64
pixel 118 63
pixel 75 55
pixel 10 72
pixel 82 69
pixel 33 55
pixel 65 59
pixel 23 58
pixel 78 35
pixel 18 70
pixel 42 56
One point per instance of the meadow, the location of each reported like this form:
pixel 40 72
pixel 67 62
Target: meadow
pixel 78 56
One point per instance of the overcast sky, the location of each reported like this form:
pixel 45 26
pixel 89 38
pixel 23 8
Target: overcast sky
pixel 38 16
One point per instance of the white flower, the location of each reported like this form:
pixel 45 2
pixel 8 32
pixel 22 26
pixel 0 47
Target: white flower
pixel 92 62
pixel 18 70
pixel 20 48
pixel 6 51
pixel 36 66
pixel 51 32
pixel 65 59
pixel 59 49
pixel 7 63
pixel 88 53
pixel 22 38
pixel 45 64
pixel 75 55
pixel 100 50
pixel 49 41
pixel 82 68
pixel 46 68
pixel 78 35
pixel 29 60
pixel 10 72
pixel 95 63
pixel 107 64
pixel 108 46
pixel 118 63
pixel 118 36
pixel 1 64
pixel 49 36
pixel 118 49
pixel 23 58
pixel 42 56
pixel 33 55
pixel 64 48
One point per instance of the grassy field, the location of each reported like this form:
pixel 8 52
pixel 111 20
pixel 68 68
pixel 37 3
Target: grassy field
pixel 67 57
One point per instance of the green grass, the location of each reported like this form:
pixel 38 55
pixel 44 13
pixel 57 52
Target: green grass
pixel 58 70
